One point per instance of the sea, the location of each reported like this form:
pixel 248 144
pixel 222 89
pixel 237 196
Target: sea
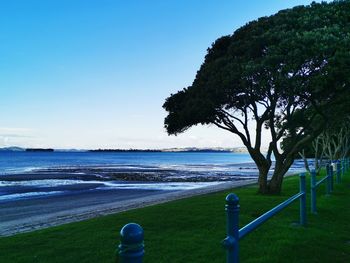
pixel 22 161
pixel 28 175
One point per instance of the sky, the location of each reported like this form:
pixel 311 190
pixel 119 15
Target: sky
pixel 89 74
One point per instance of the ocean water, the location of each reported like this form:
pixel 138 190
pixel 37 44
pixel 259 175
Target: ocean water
pixel 15 162
pixel 28 175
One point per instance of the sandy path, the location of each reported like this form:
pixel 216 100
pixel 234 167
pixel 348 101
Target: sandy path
pixel 34 215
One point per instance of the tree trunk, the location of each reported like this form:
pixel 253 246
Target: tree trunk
pixel 282 166
pixel 263 173
pixel 263 166
pixel 275 184
pixel 306 163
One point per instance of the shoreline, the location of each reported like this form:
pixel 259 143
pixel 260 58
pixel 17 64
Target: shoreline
pixel 70 214
pixel 80 193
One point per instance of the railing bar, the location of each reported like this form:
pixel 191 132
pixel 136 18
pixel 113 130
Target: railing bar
pixel 261 219
pixel 321 181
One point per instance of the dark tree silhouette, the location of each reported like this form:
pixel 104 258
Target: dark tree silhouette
pixel 288 73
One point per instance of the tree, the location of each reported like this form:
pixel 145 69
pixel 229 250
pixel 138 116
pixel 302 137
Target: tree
pixel 333 143
pixel 335 140
pixel 288 73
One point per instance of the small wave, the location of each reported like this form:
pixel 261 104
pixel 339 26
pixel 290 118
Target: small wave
pixel 44 183
pixel 19 170
pixel 26 195
pixel 160 186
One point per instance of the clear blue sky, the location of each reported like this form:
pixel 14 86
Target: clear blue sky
pixel 91 74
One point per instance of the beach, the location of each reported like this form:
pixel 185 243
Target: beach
pixel 39 190
pixel 33 214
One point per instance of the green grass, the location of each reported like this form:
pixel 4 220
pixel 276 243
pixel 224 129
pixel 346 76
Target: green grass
pixel 190 230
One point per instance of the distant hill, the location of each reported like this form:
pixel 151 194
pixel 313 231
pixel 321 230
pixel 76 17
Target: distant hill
pixel 39 150
pixel 70 150
pixel 125 150
pixel 20 149
pixel 187 149
pixel 12 149
pixel 214 149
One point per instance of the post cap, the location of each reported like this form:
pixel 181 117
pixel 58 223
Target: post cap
pixel 232 199
pixel 302 174
pixel 131 234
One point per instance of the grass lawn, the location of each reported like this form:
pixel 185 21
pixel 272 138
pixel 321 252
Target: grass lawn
pixel 191 230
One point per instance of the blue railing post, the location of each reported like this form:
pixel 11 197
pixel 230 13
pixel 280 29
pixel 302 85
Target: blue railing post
pixel 313 192
pixel 231 243
pixel 338 173
pixel 344 165
pixel 303 200
pixel 131 248
pixel 328 180
pixel 331 170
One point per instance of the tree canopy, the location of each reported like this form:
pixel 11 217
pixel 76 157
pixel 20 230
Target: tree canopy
pixel 289 73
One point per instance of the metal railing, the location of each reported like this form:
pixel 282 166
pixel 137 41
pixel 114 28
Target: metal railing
pixel 315 184
pixel 234 234
pixel 328 180
pixel 131 248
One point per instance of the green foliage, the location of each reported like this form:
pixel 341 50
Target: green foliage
pixel 299 56
pixel 289 73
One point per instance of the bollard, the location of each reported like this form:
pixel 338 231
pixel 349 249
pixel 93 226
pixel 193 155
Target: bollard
pixel 338 173
pixel 131 248
pixel 313 192
pixel 231 243
pixel 303 200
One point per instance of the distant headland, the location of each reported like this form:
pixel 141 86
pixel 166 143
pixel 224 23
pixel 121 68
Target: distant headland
pixel 39 150
pixel 187 149
pixel 124 150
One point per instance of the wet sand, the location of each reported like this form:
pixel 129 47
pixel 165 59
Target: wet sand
pixel 20 216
